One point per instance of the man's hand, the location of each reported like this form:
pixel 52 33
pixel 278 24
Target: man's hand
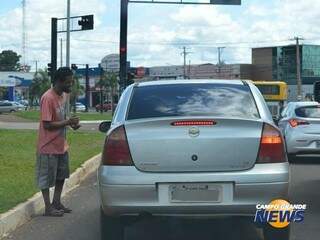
pixel 75 127
pixel 73 121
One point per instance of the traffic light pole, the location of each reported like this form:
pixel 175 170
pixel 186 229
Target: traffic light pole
pixel 87 87
pixel 54 47
pixel 123 44
pixel 101 91
pixel 124 28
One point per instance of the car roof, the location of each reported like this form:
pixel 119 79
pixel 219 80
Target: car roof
pixel 189 81
pixel 302 104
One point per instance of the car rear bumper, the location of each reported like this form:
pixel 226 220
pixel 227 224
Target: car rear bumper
pixel 303 144
pixel 127 191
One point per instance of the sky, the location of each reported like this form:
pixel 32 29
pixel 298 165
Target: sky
pixel 157 33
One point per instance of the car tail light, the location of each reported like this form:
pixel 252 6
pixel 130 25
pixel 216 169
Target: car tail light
pixel 116 150
pixel 296 122
pixel 271 146
pixel 194 123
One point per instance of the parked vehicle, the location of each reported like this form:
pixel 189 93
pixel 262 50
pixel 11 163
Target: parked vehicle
pixel 300 125
pixel 190 148
pixel 80 107
pixel 275 94
pixel 106 106
pixel 6 107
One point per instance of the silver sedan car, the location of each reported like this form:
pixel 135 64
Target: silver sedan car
pixel 190 148
pixel 300 125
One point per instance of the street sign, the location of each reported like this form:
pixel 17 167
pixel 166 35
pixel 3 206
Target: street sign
pixel 226 2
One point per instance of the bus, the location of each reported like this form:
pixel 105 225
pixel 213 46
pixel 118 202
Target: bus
pixel 275 93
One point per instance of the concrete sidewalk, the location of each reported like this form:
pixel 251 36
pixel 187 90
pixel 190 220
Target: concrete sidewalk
pixel 24 212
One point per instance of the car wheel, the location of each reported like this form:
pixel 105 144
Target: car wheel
pixel 271 233
pixel 111 228
pixel 12 110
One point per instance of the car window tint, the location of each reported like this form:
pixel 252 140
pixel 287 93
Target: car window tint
pixel 308 112
pixel 219 100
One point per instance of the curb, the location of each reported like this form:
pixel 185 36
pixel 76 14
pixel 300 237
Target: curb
pixel 24 212
pixel 94 121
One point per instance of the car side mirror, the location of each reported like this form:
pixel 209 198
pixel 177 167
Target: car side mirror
pixel 104 126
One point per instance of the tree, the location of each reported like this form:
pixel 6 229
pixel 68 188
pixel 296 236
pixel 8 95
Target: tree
pixel 3 91
pixel 9 61
pixel 77 90
pixel 109 81
pixel 40 84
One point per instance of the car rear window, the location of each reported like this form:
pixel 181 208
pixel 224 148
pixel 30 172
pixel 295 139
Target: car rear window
pixel 219 100
pixel 308 112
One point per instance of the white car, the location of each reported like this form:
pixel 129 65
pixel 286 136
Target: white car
pixel 80 107
pixel 300 125
pixel 190 148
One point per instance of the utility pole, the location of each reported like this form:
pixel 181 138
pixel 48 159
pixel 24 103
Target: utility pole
pixel 220 49
pixel 68 36
pixel 36 66
pixel 189 72
pixel 54 34
pixel 87 87
pixel 298 66
pixel 219 55
pixel 185 53
pixel 24 33
pixel 61 52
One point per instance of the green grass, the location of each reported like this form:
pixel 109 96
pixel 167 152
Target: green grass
pixel 17 161
pixel 33 115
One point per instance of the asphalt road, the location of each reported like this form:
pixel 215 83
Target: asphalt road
pixel 83 223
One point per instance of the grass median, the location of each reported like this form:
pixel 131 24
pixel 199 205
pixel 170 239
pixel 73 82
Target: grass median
pixel 33 115
pixel 17 161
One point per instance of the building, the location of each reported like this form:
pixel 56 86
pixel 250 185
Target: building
pixel 223 71
pixel 111 63
pixel 166 72
pixel 94 90
pixel 17 85
pixel 202 71
pixel 279 64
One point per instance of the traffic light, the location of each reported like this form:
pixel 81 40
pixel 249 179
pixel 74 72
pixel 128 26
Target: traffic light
pixel 74 67
pixel 316 91
pixel 50 73
pixel 86 22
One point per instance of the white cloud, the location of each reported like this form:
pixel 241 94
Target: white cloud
pixel 38 23
pixel 158 40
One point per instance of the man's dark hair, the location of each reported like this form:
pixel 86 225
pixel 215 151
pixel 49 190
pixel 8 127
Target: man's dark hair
pixel 61 74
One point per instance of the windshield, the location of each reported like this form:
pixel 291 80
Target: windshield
pixel 308 112
pixel 214 100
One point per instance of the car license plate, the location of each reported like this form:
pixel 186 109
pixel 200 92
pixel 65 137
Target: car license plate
pixel 194 192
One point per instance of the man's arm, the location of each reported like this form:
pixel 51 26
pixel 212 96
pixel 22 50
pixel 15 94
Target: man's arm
pixel 50 125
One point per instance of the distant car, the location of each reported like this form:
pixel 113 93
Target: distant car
pixel 106 106
pixel 190 148
pixel 300 125
pixel 24 102
pixel 6 107
pixel 80 107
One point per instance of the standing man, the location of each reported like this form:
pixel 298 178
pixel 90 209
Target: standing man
pixel 52 166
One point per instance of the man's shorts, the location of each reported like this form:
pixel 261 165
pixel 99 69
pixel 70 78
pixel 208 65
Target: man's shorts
pixel 51 167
